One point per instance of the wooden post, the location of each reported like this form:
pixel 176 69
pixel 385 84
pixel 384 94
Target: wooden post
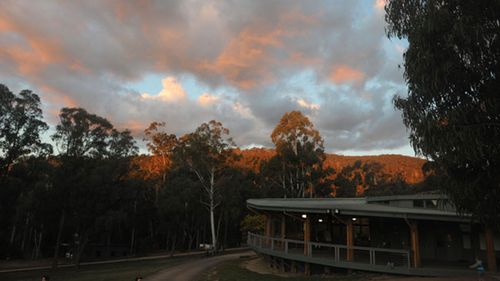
pixel 350 240
pixel 268 231
pixel 283 231
pixel 268 225
pixel 283 227
pixel 490 249
pixel 307 269
pixel 307 235
pixel 415 247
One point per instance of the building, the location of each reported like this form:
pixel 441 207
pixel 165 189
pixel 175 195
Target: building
pixel 410 234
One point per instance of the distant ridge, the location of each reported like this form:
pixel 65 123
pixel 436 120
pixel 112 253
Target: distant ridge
pixel 409 168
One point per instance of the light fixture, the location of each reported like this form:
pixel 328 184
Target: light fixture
pixel 337 211
pixel 320 220
pixel 354 219
pixel 304 216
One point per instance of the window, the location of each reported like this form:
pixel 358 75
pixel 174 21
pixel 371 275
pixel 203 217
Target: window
pixel 431 204
pixel 418 203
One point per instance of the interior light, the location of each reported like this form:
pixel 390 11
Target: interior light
pixel 337 211
pixel 304 216
pixel 354 219
pixel 320 220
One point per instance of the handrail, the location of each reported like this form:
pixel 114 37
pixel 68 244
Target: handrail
pixel 399 251
pixel 372 256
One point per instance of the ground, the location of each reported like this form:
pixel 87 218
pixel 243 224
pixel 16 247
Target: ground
pixel 239 266
pixel 101 272
pixel 256 269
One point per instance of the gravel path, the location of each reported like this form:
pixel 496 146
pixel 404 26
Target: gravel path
pixel 191 270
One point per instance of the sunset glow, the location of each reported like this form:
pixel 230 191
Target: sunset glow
pixel 244 63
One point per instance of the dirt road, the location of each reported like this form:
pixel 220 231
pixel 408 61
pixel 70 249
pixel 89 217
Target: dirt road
pixel 191 270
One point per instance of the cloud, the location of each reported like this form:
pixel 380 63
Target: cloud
pixel 172 91
pixel 247 59
pixel 308 105
pixel 206 99
pixel 343 73
pixel 379 4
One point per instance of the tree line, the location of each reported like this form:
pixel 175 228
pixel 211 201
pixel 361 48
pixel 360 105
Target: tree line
pixel 89 193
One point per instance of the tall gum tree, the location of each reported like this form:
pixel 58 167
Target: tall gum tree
pixel 20 127
pixel 161 145
pixel 452 109
pixel 300 151
pixel 81 138
pixel 207 152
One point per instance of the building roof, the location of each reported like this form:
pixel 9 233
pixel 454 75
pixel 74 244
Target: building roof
pixel 356 207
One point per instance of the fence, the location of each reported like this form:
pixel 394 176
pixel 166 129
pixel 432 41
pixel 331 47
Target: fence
pixel 391 258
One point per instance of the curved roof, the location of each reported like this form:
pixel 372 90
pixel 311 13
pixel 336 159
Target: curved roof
pixel 354 207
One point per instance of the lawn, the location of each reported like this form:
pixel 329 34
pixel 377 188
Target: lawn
pixel 233 271
pixel 106 272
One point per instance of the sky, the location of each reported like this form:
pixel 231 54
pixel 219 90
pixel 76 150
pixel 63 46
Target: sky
pixel 243 63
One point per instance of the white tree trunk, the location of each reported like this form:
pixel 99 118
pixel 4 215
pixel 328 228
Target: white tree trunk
pixel 212 211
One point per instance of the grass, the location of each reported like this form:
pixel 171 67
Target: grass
pixel 105 272
pixel 233 271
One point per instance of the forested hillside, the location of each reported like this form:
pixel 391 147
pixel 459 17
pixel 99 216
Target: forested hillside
pixel 365 170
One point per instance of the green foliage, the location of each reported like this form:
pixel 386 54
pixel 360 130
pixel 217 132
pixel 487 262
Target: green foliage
pixel 453 108
pixel 80 133
pixel 253 223
pixel 159 142
pixel 20 127
pixel 367 178
pixel 206 152
pixel 122 144
pixel 298 165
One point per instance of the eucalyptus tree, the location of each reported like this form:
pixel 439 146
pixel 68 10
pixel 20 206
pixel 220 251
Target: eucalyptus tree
pixel 299 147
pixel 452 109
pixel 87 144
pixel 207 152
pixel 161 145
pixel 21 124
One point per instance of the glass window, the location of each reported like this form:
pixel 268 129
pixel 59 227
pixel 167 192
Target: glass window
pixel 431 204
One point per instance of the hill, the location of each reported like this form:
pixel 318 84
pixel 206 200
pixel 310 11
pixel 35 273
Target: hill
pixel 410 168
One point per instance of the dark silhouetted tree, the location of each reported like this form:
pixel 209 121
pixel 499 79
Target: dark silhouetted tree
pixel 20 127
pixel 299 148
pixel 452 109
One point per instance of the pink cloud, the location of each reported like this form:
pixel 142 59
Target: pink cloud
pixel 345 74
pixel 207 99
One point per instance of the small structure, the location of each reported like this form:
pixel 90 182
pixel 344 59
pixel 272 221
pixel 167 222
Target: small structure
pixel 410 234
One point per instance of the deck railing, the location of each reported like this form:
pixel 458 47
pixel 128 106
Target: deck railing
pixel 338 254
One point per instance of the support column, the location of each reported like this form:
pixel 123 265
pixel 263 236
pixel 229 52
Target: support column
pixel 415 246
pixel 283 227
pixel 350 240
pixel 490 249
pixel 307 269
pixel 307 239
pixel 293 267
pixel 283 231
pixel 307 235
pixel 269 220
pixel 269 230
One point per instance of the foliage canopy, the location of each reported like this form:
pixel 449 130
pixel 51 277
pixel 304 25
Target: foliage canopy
pixel 453 106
